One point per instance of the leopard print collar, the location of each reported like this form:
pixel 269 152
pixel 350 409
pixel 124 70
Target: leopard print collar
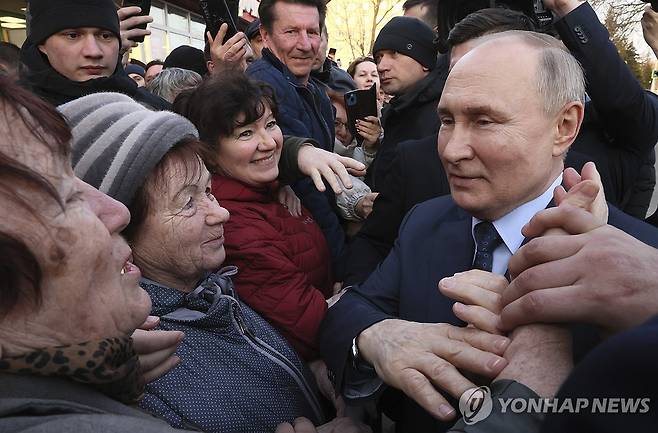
pixel 109 365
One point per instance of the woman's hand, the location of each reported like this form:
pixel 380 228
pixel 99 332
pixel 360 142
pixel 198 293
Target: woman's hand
pixel 319 370
pixel 290 201
pixel 156 349
pixel 318 163
pixel 370 130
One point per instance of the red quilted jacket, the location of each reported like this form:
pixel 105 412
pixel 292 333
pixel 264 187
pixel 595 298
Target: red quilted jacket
pixel 283 261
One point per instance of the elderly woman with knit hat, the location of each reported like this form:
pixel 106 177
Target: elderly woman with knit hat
pixel 237 373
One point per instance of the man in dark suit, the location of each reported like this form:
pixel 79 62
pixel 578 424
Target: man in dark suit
pixel 502 142
pixel 619 131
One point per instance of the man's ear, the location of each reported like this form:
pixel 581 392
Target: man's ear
pixel 567 126
pixel 210 65
pixel 42 48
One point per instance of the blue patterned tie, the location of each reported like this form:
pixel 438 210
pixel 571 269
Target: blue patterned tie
pixel 487 240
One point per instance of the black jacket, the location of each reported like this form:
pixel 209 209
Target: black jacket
pixel 43 80
pixel 408 117
pixel 416 175
pixel 620 128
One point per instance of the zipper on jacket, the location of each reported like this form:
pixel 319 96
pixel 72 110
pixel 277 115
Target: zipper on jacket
pixel 276 356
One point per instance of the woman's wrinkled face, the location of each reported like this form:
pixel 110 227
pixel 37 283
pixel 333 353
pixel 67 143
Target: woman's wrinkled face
pixel 182 237
pixel 90 289
pixel 251 154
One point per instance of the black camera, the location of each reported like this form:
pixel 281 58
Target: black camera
pixel 450 12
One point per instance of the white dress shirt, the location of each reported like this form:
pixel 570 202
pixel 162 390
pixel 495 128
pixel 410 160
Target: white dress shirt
pixel 509 227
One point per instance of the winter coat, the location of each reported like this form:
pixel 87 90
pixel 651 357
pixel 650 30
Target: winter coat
pixel 411 116
pixel 43 80
pixel 237 373
pixel 30 404
pixel 305 111
pixel 283 261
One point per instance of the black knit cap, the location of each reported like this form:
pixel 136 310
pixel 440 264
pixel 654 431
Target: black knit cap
pixel 187 57
pixel 52 16
pixel 409 36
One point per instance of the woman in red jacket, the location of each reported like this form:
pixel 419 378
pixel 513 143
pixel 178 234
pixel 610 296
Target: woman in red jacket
pixel 283 259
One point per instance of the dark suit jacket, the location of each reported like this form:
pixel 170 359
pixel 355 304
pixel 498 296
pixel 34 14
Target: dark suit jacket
pixel 434 242
pixel 416 175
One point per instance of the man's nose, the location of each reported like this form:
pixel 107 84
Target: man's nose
pixel 91 47
pixel 454 145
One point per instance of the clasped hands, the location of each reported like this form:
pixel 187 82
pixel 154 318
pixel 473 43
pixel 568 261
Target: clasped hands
pixel 424 360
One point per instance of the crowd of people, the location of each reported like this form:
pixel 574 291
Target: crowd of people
pixel 211 243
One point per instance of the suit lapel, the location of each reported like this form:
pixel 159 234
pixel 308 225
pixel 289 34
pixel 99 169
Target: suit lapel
pixel 452 250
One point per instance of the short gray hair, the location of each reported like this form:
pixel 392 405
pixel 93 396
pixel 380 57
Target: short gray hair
pixel 172 81
pixel 560 78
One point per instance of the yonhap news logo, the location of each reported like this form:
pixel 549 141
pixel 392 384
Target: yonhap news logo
pixel 476 404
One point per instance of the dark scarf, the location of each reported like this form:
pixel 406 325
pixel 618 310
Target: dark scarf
pixel 111 366
pixel 46 82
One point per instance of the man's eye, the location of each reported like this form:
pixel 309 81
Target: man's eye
pixel 245 134
pixel 271 124
pixel 483 122
pixel 446 121
pixel 189 204
pixel 71 35
pixel 107 35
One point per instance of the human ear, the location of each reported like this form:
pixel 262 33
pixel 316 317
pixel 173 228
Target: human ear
pixel 567 126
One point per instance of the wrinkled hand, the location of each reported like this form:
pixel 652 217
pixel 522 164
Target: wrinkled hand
pixel 540 357
pixel 129 19
pixel 478 294
pixel 650 28
pixel 561 7
pixel 300 425
pixel 318 163
pixel 422 358
pixel 363 207
pixel 156 349
pixel 290 201
pixel 231 53
pixel 370 129
pixel 319 370
pixel 599 275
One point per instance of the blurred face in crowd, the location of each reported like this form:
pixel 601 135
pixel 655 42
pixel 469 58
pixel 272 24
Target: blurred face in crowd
pixel 420 11
pixel 398 73
pixel 322 51
pixel 342 132
pixel 365 75
pixel 251 154
pixel 257 45
pixel 82 54
pixel 151 73
pixel 295 37
pixel 90 289
pixel 182 237
pixel 138 79
pixel 498 146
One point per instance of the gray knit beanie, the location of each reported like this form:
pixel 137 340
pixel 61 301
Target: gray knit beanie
pixel 117 142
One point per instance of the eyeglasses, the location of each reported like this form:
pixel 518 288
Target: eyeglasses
pixel 338 124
